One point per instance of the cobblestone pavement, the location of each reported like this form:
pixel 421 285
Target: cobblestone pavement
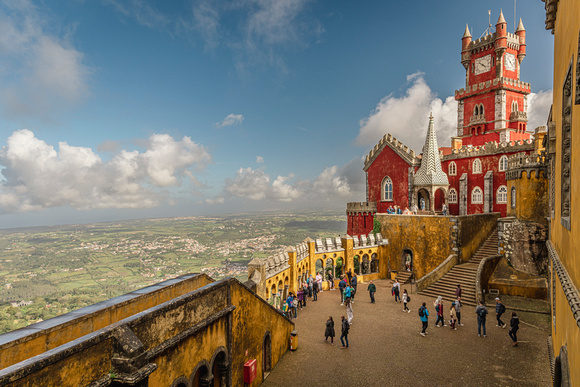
pixel 386 348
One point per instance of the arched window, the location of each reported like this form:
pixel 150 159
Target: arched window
pixel 452 168
pixel 477 196
pixel 387 189
pixel 513 193
pixel 501 195
pixel 452 197
pixel 476 166
pixel 515 106
pixel 481 110
pixel 503 163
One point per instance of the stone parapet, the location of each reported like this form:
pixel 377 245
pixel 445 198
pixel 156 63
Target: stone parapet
pixel 497 83
pixel 490 148
pixel 358 207
pixel 521 162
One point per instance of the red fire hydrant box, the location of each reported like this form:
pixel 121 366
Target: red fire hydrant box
pixel 250 371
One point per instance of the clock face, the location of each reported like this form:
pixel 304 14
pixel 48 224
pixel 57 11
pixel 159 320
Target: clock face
pixel 510 62
pixel 482 65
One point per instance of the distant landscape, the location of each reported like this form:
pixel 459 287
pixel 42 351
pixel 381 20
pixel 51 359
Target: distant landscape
pixel 48 271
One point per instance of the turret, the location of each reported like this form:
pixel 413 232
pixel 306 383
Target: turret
pixel 521 33
pixel 465 52
pixel 501 34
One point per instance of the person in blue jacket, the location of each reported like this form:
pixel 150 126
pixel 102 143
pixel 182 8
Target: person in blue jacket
pixel 424 316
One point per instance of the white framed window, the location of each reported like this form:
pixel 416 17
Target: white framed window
pixel 503 163
pixel 501 195
pixel 387 189
pixel 513 193
pixel 515 106
pixel 476 166
pixel 477 196
pixel 452 197
pixel 452 169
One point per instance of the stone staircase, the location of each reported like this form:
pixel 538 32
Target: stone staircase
pixel 463 274
pixel 403 276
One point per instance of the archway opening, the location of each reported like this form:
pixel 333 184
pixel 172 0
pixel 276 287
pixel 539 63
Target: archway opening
pixel 220 370
pixel 202 377
pixel 366 265
pixel 338 268
pixel 267 354
pixel 374 263
pixel 357 267
pixel 407 260
pixel 423 200
pixel 439 199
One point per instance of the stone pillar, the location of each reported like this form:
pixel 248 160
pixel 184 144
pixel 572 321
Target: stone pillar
pixel 130 366
pixel 463 194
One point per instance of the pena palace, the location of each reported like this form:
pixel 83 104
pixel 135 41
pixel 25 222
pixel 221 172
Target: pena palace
pixel 470 176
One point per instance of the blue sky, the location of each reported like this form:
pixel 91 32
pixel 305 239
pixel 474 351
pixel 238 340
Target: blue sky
pixel 128 109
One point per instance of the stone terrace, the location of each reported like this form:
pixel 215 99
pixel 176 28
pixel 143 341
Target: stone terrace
pixel 386 348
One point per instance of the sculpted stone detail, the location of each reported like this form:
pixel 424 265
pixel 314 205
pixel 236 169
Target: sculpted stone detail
pixel 568 286
pixel 566 165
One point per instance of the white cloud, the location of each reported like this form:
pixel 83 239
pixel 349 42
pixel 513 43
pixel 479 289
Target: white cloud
pixel 330 183
pixel 37 176
pixel 231 119
pixel 41 74
pixel 259 160
pixel 539 105
pixel 250 183
pixel 407 117
pixel 141 11
pixel 284 192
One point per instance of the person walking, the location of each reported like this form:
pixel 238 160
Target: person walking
pixel 341 286
pixel 310 285
pixel 349 311
pixel 499 310
pixel 347 292
pixel 344 333
pixel 514 326
pixel 300 297
pixel 406 300
pixel 458 311
pixel 452 320
pixel 305 291
pixel 349 275
pixel 353 284
pixel 397 290
pixel 458 291
pixel 290 303
pixel 372 288
pixel 439 310
pixel 481 312
pixel 424 316
pixel 329 331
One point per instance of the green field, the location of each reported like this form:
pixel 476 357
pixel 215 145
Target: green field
pixel 63 268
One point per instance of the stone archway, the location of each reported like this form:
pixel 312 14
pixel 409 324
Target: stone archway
pixel 266 354
pixel 423 200
pixel 220 367
pixel 440 199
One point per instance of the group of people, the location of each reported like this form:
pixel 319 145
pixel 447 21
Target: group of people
pixel 348 287
pixel 455 316
pixel 308 289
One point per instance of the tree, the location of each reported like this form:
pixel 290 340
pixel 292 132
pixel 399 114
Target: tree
pixel 376 226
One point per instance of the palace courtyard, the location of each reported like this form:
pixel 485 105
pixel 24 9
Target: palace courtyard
pixel 386 348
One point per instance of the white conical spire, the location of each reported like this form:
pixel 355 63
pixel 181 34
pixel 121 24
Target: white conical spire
pixel 430 171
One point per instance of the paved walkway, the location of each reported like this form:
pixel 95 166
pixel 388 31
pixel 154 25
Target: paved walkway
pixel 386 348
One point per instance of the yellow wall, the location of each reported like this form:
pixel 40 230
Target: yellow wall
pixel 73 328
pixel 567 243
pixel 531 197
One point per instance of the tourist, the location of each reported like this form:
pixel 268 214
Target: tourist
pixel 305 291
pixel 397 290
pixel 399 211
pixel 414 209
pixel 458 311
pixel 344 333
pixel 347 292
pixel 514 326
pixel 424 316
pixel 295 305
pixel 458 291
pixel 406 211
pixel 353 284
pixel 349 311
pixel 290 302
pixel 310 285
pixel 319 281
pixel 408 261
pixel 406 299
pixel 300 297
pixel 330 278
pixel 329 331
pixel 499 310
pixel 444 210
pixel 481 312
pixel 372 289
pixel 390 210
pixel 422 204
pixel 341 286
pixel 439 310
pixel 452 319
pixel 349 275
pixel 315 291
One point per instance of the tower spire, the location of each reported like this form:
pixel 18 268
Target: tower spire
pixel 430 172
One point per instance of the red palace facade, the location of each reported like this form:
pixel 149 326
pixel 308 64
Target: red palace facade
pixel 492 125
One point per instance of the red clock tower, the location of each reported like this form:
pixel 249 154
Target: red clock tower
pixel 493 104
